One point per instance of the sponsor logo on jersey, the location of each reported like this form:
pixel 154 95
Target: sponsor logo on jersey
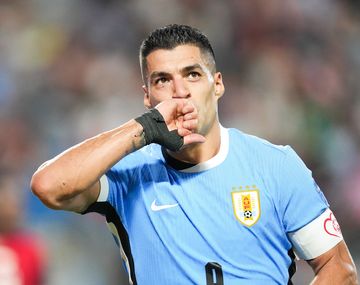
pixel 155 207
pixel 246 204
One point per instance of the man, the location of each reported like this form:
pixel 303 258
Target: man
pixel 188 201
pixel 22 256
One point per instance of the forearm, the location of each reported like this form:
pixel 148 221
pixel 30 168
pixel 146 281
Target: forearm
pixel 334 276
pixel 335 268
pixel 78 168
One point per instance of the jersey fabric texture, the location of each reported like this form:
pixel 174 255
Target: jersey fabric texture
pixel 224 221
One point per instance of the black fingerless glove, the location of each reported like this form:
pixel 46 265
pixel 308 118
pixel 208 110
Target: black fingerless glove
pixel 156 131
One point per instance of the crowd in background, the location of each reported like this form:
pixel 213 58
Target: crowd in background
pixel 69 70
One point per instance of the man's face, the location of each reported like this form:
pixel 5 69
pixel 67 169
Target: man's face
pixel 183 72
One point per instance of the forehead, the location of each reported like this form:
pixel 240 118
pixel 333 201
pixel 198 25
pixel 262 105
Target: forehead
pixel 178 57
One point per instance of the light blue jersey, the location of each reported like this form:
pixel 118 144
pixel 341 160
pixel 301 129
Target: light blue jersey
pixel 224 221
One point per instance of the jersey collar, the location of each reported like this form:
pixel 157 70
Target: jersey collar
pixel 206 165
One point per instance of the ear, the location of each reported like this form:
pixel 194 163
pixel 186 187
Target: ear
pixel 147 102
pixel 219 85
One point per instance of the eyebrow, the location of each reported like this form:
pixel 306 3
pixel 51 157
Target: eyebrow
pixel 185 69
pixel 191 67
pixel 156 74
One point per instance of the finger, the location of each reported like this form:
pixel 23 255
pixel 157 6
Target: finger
pixel 190 116
pixel 194 138
pixel 179 122
pixel 190 124
pixel 188 108
pixel 184 132
pixel 180 104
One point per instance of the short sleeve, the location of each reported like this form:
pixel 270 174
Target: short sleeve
pixel 114 185
pixel 118 182
pixel 300 199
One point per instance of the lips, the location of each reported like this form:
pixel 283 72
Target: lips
pixel 331 226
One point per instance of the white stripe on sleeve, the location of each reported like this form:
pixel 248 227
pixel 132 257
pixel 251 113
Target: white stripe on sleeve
pixel 104 189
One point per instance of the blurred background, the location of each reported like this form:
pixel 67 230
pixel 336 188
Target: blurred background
pixel 69 70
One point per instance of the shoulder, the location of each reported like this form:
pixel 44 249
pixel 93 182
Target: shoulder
pixel 256 146
pixel 262 155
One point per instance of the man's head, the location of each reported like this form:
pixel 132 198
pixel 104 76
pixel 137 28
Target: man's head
pixel 171 36
pixel 178 63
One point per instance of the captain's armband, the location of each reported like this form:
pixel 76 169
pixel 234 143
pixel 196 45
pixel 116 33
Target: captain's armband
pixel 317 237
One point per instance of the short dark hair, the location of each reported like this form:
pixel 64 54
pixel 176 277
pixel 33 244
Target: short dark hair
pixel 170 37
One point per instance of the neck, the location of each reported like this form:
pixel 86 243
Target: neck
pixel 201 152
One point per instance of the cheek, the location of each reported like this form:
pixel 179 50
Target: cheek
pixel 207 108
pixel 208 100
pixel 158 95
pixel 154 101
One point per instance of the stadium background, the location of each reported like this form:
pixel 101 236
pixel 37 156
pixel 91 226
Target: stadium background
pixel 69 69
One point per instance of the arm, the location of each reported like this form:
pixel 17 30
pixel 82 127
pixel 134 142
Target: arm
pixel 321 244
pixel 70 181
pixel 334 267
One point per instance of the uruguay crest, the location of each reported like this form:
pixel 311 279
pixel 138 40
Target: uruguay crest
pixel 246 204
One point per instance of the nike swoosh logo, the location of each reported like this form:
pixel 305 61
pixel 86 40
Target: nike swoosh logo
pixel 156 208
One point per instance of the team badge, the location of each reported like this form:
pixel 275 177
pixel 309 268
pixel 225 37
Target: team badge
pixel 246 204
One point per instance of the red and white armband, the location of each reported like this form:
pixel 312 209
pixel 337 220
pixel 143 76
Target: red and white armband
pixel 317 237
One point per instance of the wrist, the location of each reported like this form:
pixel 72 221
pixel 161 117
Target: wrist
pixel 155 131
pixel 139 135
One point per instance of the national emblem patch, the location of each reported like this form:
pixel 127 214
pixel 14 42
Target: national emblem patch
pixel 246 205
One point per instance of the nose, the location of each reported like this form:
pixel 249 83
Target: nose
pixel 180 89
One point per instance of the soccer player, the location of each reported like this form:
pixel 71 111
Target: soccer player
pixel 192 202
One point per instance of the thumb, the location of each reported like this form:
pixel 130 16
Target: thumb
pixel 193 138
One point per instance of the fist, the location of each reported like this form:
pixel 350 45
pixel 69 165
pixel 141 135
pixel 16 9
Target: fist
pixel 181 115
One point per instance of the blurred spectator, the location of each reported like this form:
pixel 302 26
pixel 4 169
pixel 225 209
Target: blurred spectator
pixel 22 259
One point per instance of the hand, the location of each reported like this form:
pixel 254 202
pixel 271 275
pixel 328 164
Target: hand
pixel 181 114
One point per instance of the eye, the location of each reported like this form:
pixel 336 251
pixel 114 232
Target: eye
pixel 193 75
pixel 161 80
